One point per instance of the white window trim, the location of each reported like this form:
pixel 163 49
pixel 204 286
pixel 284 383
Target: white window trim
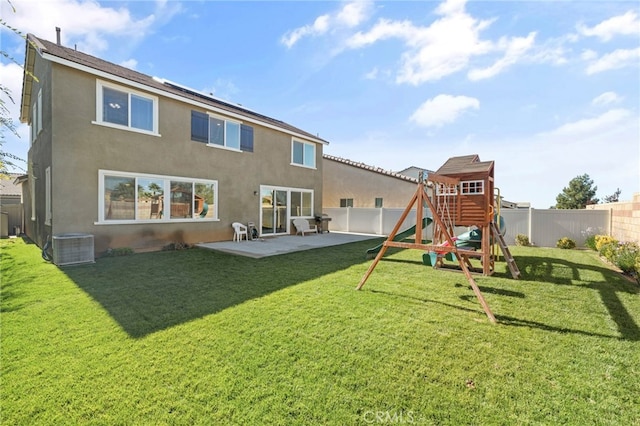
pixel 463 192
pixel 225 119
pixel 167 218
pixel 451 190
pixel 310 191
pixel 47 202
pixel 100 84
pixel 304 143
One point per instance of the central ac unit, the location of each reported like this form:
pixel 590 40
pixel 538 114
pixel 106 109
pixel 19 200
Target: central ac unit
pixel 71 249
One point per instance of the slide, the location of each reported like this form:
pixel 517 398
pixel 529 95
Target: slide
pixel 471 240
pixel 401 236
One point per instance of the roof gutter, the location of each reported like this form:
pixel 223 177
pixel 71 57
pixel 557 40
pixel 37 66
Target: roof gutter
pixel 102 74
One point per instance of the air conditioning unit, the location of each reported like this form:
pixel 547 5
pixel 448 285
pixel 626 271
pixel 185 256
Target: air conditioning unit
pixel 72 249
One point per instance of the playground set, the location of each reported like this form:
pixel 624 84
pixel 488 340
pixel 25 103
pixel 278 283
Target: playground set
pixel 462 195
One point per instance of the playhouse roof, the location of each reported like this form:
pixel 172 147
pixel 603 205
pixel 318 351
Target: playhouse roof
pixel 465 164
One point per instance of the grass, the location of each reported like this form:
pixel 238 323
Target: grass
pixel 199 337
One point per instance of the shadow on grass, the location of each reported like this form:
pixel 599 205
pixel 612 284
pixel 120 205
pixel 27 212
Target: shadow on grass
pixel 503 319
pixel 608 284
pixel 149 292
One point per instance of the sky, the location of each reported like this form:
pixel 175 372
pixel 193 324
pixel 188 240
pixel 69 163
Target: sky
pixel 548 90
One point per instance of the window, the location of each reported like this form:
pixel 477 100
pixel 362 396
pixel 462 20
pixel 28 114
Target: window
pixel 378 202
pixel 444 189
pixel 303 154
pixel 36 117
pixel 121 107
pixel 472 187
pixel 301 203
pixel 218 131
pixel 346 202
pixel 143 198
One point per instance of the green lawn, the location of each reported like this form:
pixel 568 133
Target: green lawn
pixel 199 337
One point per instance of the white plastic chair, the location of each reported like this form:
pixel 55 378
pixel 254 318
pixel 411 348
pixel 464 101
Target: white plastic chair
pixel 238 231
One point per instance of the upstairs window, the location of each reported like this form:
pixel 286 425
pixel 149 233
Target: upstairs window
pixel 214 130
pixel 346 202
pixel 36 117
pixel 121 107
pixel 303 154
pixel 378 202
pixel 472 187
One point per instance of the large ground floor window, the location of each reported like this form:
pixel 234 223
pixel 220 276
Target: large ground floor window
pixel 279 205
pixel 137 197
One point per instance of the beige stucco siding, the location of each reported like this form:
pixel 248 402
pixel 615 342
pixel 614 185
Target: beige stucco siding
pixel 363 186
pixel 81 148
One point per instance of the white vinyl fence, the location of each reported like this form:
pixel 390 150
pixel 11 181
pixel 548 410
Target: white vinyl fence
pixel 543 227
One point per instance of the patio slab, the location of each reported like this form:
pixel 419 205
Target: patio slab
pixel 273 246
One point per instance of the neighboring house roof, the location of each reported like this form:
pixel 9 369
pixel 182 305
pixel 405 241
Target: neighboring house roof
pixel 370 168
pixel 414 172
pixel 10 187
pixel 75 59
pixel 464 164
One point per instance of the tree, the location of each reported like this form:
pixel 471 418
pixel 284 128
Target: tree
pixel 578 194
pixel 613 198
pixel 6 122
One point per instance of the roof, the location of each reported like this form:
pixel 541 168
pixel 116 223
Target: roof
pixel 11 186
pixel 373 169
pixel 415 171
pixel 465 164
pixel 74 58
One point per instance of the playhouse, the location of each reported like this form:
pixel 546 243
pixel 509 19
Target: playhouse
pixel 465 221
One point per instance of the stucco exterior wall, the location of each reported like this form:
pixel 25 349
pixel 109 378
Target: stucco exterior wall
pixel 342 180
pixel 625 218
pixel 78 148
pixel 39 157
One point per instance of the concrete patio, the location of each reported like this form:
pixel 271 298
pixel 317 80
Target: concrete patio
pixel 272 246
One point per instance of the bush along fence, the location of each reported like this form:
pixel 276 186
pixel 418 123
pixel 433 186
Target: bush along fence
pixel 542 228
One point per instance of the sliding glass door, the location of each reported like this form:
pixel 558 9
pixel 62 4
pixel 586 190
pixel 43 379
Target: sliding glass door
pixel 274 211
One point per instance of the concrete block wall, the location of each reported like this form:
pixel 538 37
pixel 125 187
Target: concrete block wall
pixel 625 218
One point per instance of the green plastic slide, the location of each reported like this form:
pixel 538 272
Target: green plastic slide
pixel 400 236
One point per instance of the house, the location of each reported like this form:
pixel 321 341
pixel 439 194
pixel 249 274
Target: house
pixel 415 172
pixel 10 205
pixel 348 183
pixel 142 162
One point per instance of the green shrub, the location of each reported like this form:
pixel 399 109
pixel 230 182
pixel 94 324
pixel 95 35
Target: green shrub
pixel 120 251
pixel 566 243
pixel 602 240
pixel 608 251
pixel 626 257
pixel 591 242
pixel 522 240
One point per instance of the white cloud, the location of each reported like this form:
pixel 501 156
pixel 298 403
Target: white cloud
pixel 443 109
pixel 85 23
pixel 129 63
pixel 515 48
pixel 590 126
pixel 619 58
pixel 353 14
pixel 627 24
pixel 588 55
pixel 11 78
pixel 606 98
pixel 444 47
pixel 350 15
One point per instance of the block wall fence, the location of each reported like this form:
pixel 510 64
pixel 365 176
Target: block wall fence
pixel 625 218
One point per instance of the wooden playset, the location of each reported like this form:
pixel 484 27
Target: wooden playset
pixel 462 195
